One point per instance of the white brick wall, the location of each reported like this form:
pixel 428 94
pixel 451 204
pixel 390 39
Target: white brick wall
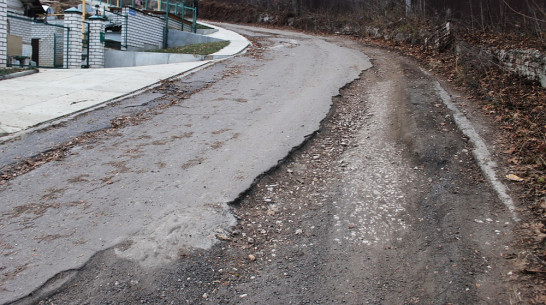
pixel 96 47
pixel 115 18
pixel 15 6
pixel 73 21
pixel 3 33
pixel 173 23
pixel 21 28
pixel 144 31
pixel 46 34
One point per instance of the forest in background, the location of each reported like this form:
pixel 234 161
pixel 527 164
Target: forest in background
pixel 522 16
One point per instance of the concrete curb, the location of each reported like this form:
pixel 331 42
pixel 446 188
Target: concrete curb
pixel 19 74
pixel 239 45
pixel 481 152
pixel 6 137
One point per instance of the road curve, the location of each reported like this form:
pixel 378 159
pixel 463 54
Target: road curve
pixel 162 185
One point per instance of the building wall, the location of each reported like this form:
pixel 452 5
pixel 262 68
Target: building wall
pixel 3 34
pixel 48 49
pixel 174 24
pixel 115 18
pixel 21 28
pixel 15 6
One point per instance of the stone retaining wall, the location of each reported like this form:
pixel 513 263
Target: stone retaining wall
pixel 527 63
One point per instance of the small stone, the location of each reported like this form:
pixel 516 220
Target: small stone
pixel 243 295
pixel 223 237
pixel 205 295
pixel 251 257
pixel 299 231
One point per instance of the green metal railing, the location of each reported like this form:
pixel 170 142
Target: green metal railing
pixel 178 9
pixel 160 6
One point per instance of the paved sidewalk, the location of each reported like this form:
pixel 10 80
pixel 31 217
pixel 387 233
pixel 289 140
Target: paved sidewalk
pixel 54 93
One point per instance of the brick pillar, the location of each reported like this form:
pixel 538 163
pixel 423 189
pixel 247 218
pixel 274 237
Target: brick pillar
pixel 3 33
pixel 96 47
pixel 73 20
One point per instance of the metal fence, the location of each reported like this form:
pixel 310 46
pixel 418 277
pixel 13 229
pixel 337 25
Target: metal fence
pixel 188 13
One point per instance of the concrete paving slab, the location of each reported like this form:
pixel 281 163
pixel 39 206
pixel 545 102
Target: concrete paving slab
pixel 238 43
pixel 53 93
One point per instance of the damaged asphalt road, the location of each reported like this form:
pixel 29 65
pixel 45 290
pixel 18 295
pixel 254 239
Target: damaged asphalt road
pixel 383 205
pixel 163 185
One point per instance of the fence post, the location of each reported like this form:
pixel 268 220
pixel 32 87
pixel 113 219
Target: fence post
pixel 73 49
pixel 125 29
pixel 194 22
pixel 408 8
pixel 96 44
pixel 3 33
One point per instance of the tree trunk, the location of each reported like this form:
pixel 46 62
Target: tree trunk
pixel 296 7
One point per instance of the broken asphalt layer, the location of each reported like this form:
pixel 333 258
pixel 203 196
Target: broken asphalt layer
pixel 155 188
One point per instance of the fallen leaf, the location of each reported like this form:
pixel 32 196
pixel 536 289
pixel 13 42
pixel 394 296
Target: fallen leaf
pixel 513 177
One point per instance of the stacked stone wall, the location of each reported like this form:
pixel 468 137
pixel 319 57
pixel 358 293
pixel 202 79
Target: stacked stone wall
pixel 528 63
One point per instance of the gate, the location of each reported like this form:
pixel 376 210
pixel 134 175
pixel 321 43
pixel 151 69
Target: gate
pixel 37 43
pixel 85 44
